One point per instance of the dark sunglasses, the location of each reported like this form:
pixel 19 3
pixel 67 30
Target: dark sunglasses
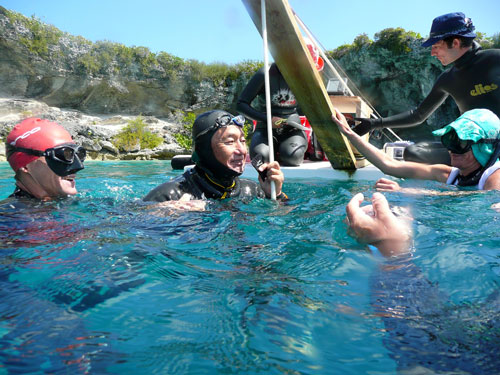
pixel 456 145
pixel 223 121
pixel 63 153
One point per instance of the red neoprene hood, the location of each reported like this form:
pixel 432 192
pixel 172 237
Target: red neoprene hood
pixel 35 134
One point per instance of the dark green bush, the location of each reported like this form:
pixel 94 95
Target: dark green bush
pixel 184 139
pixel 136 132
pixel 42 35
pixel 396 40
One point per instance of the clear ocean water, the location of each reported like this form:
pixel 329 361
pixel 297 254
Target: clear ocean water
pixel 105 284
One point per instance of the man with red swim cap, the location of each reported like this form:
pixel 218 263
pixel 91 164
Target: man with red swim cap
pixel 45 159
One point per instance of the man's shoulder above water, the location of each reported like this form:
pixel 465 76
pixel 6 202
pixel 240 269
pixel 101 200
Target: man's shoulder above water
pixel 195 184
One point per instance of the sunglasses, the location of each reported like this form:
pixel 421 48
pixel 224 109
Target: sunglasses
pixel 63 160
pixel 459 146
pixel 223 121
pixel 454 144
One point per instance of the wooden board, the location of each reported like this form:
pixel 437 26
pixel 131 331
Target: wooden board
pixel 292 57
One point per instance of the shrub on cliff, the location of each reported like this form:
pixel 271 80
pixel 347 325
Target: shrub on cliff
pixel 221 74
pixel 396 40
pixel 41 35
pixel 136 134
pixel 184 139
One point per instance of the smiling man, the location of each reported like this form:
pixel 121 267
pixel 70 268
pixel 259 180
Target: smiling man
pixel 44 158
pixel 220 153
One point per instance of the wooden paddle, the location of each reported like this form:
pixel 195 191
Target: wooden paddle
pixel 290 53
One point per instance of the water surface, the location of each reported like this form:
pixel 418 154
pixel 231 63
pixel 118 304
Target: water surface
pixel 103 283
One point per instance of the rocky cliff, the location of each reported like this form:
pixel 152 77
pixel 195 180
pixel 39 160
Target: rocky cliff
pixel 102 85
pixel 396 77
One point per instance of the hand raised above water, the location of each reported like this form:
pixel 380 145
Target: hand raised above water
pixel 377 225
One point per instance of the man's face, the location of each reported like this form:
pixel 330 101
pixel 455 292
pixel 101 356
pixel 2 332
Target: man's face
pixel 54 185
pixel 229 147
pixel 447 55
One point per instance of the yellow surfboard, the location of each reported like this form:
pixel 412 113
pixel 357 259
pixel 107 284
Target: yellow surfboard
pixel 290 53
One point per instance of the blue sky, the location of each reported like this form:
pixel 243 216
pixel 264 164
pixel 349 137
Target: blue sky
pixel 221 30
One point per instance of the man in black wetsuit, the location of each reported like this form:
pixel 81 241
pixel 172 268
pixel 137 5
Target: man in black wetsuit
pixel 473 81
pixel 291 141
pixel 219 153
pixel 44 158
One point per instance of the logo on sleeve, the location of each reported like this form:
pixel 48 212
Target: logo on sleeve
pixel 480 89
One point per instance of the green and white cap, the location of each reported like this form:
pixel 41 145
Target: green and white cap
pixel 475 125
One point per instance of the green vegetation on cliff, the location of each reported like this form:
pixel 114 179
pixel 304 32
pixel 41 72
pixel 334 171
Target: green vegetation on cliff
pixel 184 139
pixel 136 134
pixel 399 41
pixel 41 35
pixel 106 58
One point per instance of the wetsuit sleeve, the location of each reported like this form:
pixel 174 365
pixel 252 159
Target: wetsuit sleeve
pixel 253 88
pixel 168 191
pixel 418 115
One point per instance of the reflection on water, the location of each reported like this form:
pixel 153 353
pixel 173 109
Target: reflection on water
pixel 102 283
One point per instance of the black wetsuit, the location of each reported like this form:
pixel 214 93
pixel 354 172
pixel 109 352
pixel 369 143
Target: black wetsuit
pixel 473 82
pixel 291 142
pixel 196 183
pixel 20 193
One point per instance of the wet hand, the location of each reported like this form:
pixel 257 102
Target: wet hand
pixel 377 225
pixel 275 174
pixel 384 184
pixel 341 122
pixel 183 204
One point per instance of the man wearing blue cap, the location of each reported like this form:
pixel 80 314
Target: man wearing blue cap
pixel 473 81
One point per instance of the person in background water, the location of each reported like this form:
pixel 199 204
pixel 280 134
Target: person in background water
pixel 44 158
pixel 290 138
pixel 473 81
pixel 472 140
pixel 219 154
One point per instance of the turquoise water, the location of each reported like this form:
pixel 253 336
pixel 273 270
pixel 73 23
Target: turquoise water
pixel 104 284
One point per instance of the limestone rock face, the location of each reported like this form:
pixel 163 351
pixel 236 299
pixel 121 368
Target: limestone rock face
pixel 94 132
pixel 395 83
pixel 75 73
pixel 95 88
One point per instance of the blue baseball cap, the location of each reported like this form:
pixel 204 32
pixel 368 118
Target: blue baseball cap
pixel 448 25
